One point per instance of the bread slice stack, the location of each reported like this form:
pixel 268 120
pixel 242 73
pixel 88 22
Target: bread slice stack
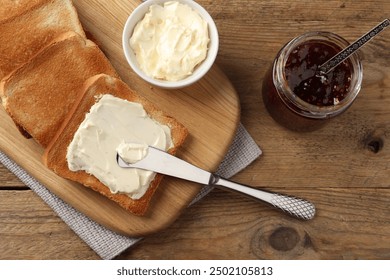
pixel 51 75
pixel 27 26
pixel 40 93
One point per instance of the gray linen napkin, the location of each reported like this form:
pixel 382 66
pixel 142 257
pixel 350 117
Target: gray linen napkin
pixel 106 243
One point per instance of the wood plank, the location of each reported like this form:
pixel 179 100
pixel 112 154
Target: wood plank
pixel 9 180
pixel 221 226
pixel 225 226
pixel 29 229
pixel 352 151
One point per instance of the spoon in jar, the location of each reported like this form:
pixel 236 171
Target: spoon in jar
pixel 329 65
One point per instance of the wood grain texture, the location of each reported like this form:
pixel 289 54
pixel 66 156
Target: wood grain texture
pixel 29 229
pixel 343 168
pixel 8 180
pixel 221 226
pixel 253 231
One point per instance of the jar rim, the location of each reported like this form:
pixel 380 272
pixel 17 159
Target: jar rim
pixel 292 101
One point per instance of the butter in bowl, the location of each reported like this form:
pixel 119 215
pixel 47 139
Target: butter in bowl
pixel 170 44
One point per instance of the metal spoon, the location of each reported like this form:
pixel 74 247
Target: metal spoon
pixel 329 65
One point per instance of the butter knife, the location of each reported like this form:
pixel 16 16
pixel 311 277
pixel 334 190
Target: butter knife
pixel 161 162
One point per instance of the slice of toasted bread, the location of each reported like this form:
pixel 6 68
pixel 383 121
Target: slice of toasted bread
pixel 40 94
pixel 55 154
pixel 31 27
pixel 12 8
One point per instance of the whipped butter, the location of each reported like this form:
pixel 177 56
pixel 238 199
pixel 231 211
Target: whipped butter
pixel 111 124
pixel 132 152
pixel 170 41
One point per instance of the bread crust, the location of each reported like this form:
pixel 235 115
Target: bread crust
pixel 40 94
pixel 55 154
pixel 26 29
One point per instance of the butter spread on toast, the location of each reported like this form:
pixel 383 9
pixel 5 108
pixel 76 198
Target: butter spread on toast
pixel 110 122
pixel 132 152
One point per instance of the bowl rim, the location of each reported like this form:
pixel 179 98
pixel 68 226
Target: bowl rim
pixel 199 71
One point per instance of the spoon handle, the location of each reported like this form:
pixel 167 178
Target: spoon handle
pixel 294 206
pixel 344 54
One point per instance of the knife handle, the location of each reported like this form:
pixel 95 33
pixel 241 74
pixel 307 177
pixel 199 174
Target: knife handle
pixel 294 206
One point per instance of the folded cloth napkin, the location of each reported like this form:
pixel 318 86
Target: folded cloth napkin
pixel 106 243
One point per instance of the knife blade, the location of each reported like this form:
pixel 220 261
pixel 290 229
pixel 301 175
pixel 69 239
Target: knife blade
pixel 164 163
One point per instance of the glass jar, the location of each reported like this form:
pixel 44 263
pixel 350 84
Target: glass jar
pixel 294 93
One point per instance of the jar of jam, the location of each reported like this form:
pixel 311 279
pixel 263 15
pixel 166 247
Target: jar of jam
pixel 301 98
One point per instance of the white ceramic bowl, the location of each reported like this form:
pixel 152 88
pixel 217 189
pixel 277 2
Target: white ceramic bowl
pixel 200 70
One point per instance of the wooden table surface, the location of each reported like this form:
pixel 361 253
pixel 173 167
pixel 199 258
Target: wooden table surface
pixel 344 168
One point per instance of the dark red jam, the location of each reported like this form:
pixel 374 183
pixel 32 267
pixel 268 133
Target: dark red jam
pixel 307 83
pixel 301 75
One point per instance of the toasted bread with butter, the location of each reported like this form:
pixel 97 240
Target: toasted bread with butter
pixel 55 154
pixel 28 26
pixel 40 94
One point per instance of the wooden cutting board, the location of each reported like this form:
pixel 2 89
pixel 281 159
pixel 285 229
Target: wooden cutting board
pixel 209 109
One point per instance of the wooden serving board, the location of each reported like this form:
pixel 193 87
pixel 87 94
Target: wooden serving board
pixel 209 109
